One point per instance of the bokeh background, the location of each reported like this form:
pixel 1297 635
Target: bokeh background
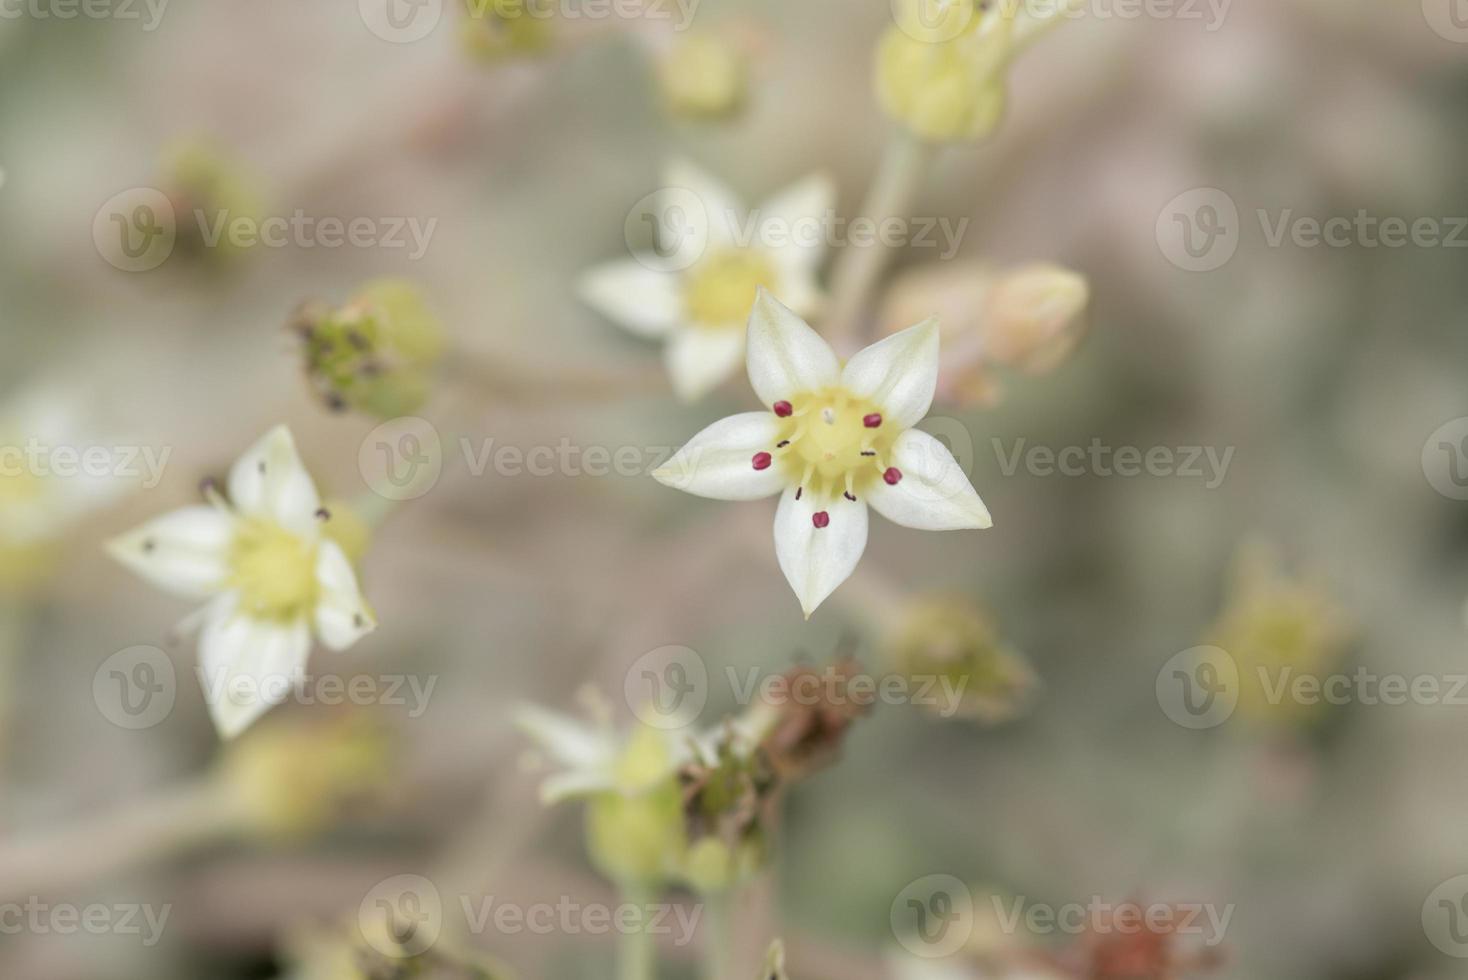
pixel 1325 371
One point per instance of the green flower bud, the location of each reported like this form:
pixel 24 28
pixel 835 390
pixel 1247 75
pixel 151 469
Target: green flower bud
pixel 200 179
pixel 377 354
pixel 294 779
pixel 634 833
pixel 500 29
pixel 952 640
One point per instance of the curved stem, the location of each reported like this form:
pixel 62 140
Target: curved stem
pixel 158 825
pixel 858 269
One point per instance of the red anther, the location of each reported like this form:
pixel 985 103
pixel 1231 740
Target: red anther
pixel 783 409
pixel 871 421
pixel 820 518
pixel 893 475
pixel 762 461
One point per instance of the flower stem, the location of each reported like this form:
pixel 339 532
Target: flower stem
pixel 505 382
pixel 718 947
pixel 636 955
pixel 158 825
pixel 858 269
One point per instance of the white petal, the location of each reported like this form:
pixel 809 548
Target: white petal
pixel 700 358
pixel 576 783
pixel 270 481
pixel 722 208
pixel 934 494
pixel 570 741
pixel 342 616
pixel 634 295
pixel 185 552
pixel 248 665
pixel 800 216
pixel 898 373
pixel 785 356
pixel 816 560
pixel 719 461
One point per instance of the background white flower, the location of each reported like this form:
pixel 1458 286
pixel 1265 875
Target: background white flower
pixel 834 439
pixel 271 578
pixel 700 310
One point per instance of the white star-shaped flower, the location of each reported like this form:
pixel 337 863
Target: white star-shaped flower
pixel 834 440
pixel 694 292
pixel 271 578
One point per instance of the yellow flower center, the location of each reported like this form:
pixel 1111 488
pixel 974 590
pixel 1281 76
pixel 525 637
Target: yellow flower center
pixel 834 443
pixel 720 291
pixel 273 570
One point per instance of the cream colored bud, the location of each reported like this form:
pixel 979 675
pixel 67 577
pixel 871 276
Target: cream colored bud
pixel 1035 316
pixel 703 76
pixel 1028 318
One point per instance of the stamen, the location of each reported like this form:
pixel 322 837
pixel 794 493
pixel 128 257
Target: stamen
pixel 849 496
pixel 782 443
pixel 869 452
pixel 762 461
pixel 820 518
pixel 828 415
pixel 872 421
pixel 798 492
pixel 893 476
pixel 783 409
pixel 322 514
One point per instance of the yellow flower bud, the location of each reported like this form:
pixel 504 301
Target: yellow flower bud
pixel 377 354
pixel 293 779
pixel 702 76
pixel 953 640
pixel 947 90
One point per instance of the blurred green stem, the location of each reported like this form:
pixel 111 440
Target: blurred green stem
pixel 718 949
pixel 13 619
pixel 636 954
pixel 859 268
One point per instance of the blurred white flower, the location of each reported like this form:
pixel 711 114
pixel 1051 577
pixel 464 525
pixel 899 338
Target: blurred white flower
pixel 40 498
pixel 700 311
pixel 271 577
pixel 835 438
